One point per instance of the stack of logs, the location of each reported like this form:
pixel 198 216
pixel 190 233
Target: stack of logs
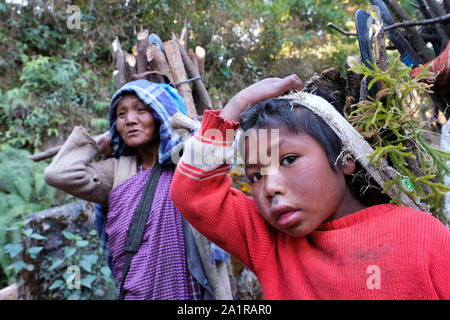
pixel 177 65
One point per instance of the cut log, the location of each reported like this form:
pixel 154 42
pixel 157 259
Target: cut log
pixel 201 55
pixel 203 101
pixel 158 62
pixel 120 62
pixel 116 75
pixel 130 62
pixel 179 74
pixel 143 43
pixel 194 59
pixel 330 84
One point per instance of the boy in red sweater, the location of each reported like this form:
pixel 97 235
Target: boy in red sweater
pixel 310 231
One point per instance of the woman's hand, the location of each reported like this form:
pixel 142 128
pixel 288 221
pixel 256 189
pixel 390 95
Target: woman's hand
pixel 260 91
pixel 104 143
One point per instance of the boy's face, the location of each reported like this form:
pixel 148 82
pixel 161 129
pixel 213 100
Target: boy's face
pixel 302 191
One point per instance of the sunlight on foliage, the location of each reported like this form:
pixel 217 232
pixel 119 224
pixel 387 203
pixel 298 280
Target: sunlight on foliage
pixel 390 123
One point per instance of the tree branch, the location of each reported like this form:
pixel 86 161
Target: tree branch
pixel 346 33
pixel 419 23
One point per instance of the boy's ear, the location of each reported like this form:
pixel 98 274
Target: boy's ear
pixel 348 166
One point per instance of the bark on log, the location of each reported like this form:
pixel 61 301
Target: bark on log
pixel 203 101
pixel 143 43
pixel 120 63
pixel 201 55
pixel 179 74
pixel 194 59
pixel 116 75
pixel 158 62
pixel 330 83
pixel 130 62
pixel 413 35
pixel 353 82
pixel 381 59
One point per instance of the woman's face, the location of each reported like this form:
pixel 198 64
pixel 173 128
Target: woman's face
pixel 135 123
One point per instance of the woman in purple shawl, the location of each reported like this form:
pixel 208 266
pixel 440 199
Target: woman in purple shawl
pixel 173 261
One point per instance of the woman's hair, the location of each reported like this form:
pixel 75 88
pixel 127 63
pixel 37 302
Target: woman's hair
pixel 279 112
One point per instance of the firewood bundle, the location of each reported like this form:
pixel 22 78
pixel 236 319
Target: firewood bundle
pixel 165 62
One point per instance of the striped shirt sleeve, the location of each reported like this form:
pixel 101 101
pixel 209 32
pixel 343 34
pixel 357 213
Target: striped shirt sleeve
pixel 202 192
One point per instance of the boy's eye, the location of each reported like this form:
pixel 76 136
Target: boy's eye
pixel 254 177
pixel 288 160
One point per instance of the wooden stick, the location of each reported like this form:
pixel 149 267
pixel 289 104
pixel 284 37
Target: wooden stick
pixel 51 152
pixel 201 55
pixel 184 35
pixel 179 74
pixel 413 35
pixel 419 23
pixel 143 43
pixel 437 11
pixel 158 62
pixel 441 28
pixel 120 62
pixel 45 154
pixel 204 102
pixel 346 33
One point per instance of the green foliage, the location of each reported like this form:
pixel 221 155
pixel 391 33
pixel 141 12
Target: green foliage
pixel 54 273
pixel 390 123
pixel 22 192
pixel 55 93
pixel 95 280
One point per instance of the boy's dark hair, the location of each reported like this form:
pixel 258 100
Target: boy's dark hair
pixel 279 112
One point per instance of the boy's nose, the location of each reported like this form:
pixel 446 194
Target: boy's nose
pixel 274 184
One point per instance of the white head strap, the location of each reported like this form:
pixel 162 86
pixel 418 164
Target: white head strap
pixel 354 143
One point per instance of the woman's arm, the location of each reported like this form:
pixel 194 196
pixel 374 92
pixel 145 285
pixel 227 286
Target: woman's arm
pixel 74 171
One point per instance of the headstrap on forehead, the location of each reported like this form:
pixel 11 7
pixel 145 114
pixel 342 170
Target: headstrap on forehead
pixel 353 142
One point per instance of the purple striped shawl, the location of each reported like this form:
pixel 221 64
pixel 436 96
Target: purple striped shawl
pixel 159 270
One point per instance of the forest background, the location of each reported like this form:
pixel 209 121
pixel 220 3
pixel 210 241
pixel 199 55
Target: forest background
pixel 54 76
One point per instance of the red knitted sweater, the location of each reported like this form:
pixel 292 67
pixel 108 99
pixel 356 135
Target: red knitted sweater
pixel 382 252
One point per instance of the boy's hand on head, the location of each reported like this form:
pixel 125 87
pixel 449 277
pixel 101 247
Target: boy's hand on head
pixel 257 92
